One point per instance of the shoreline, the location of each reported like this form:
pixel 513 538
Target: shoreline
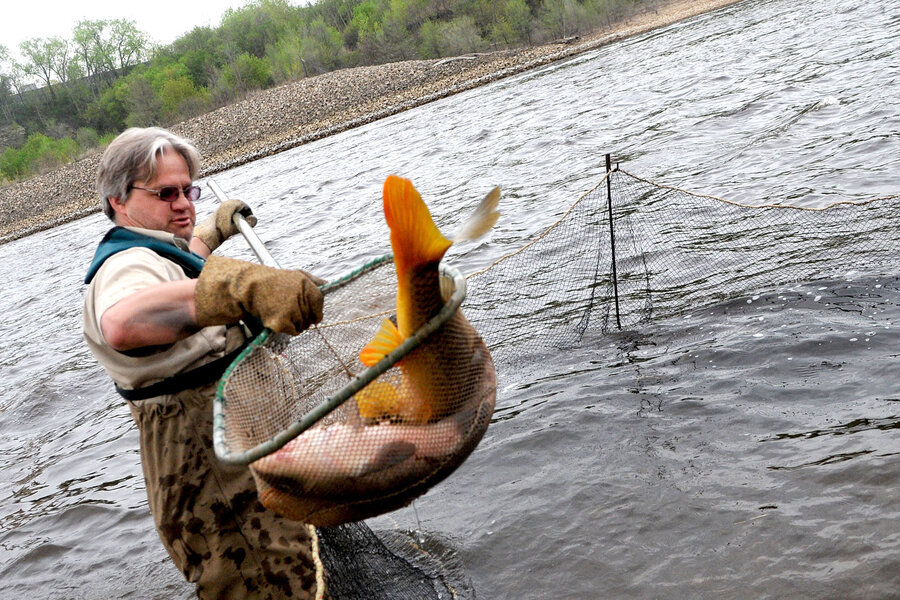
pixel 277 119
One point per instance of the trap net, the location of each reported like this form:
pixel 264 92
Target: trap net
pixel 627 251
pixel 631 250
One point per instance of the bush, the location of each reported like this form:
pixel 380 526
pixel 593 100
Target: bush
pixel 514 26
pixel 179 96
pixel 459 36
pixel 37 154
pixel 87 138
pixel 247 73
pixel 562 18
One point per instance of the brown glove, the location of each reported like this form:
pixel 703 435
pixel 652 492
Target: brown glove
pixel 286 301
pixel 219 226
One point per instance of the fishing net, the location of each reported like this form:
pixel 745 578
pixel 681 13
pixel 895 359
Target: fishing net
pixel 626 251
pixel 630 250
pixel 330 440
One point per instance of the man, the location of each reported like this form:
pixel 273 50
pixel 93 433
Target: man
pixel 164 323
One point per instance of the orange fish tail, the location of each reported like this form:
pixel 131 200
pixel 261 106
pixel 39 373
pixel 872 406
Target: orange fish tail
pixel 415 238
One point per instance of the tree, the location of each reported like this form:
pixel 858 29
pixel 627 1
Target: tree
pixel 257 26
pixel 562 18
pixel 460 36
pixel 129 43
pixel 6 94
pixel 514 24
pixel 202 51
pixel 107 48
pixel 44 56
pixel 247 73
pixel 109 111
pixel 144 105
pixel 337 13
pixel 430 40
pixel 91 50
pixel 286 59
pixel 321 48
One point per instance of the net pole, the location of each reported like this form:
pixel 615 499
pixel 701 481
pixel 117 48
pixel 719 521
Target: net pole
pixel 612 236
pixel 259 248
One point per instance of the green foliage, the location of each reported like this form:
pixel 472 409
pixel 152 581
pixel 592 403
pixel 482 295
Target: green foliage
pixel 87 138
pixel 247 73
pixel 110 110
pixel 322 48
pixel 106 139
pixel 459 36
pixel 144 106
pixel 563 18
pixel 37 154
pixel 108 77
pixel 256 26
pixel 367 17
pixel 514 24
pixel 285 58
pixel 201 51
pixel 430 42
pixel 179 96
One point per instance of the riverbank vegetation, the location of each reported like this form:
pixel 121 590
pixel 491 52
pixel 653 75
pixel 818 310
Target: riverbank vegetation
pixel 109 75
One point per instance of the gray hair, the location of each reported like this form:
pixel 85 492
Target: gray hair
pixel 132 156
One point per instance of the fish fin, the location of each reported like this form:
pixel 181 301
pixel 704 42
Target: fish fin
pixel 480 221
pixel 378 400
pixel 415 238
pixel 385 341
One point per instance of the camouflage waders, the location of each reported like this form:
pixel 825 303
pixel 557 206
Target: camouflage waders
pixel 208 515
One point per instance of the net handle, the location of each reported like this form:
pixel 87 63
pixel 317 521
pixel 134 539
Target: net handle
pixel 259 248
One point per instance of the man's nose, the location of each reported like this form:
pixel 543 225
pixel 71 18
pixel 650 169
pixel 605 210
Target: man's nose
pixel 183 202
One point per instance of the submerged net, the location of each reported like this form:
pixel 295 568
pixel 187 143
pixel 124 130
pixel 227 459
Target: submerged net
pixel 626 251
pixel 664 252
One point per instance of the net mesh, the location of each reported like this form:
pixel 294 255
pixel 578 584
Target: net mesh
pixel 662 252
pixel 396 437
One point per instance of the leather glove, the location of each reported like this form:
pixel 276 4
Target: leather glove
pixel 219 226
pixel 286 301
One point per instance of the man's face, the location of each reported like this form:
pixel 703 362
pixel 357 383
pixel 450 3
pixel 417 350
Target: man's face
pixel 145 209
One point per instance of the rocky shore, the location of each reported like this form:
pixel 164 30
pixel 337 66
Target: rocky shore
pixel 274 120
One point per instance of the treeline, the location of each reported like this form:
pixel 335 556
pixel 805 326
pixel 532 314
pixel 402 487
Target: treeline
pixel 110 76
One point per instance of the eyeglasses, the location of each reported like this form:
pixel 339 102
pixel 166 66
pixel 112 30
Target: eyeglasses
pixel 171 193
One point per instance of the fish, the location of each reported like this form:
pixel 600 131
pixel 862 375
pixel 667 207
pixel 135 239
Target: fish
pixel 433 374
pixel 411 429
pixel 344 472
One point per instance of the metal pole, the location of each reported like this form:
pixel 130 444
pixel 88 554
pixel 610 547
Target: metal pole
pixel 612 236
pixel 256 244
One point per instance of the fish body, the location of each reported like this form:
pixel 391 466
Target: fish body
pixel 439 374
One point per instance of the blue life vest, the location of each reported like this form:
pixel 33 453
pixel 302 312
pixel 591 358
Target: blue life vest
pixel 118 239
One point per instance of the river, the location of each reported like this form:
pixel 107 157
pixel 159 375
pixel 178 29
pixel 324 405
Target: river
pixel 746 448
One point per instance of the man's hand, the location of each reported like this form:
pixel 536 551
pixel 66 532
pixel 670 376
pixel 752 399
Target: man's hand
pixel 286 301
pixel 219 226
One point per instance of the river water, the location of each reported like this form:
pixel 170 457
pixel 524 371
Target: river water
pixel 747 448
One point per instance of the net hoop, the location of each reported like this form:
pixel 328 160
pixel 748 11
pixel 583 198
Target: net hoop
pixel 314 415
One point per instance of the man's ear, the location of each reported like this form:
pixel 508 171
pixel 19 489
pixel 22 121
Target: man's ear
pixel 117 204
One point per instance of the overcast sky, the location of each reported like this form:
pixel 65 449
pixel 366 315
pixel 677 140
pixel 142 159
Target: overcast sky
pixel 163 20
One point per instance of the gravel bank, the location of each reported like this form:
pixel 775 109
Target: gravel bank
pixel 274 120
